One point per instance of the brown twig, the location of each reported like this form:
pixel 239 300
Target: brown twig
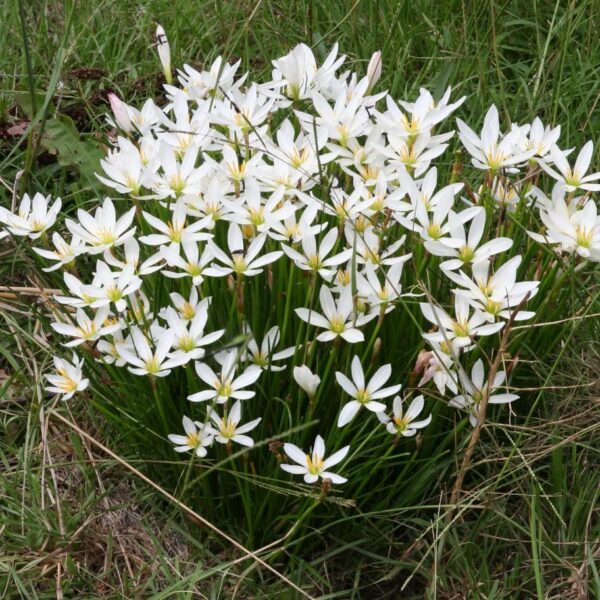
pixel 191 513
pixel 483 404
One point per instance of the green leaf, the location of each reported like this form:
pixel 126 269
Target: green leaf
pixel 62 139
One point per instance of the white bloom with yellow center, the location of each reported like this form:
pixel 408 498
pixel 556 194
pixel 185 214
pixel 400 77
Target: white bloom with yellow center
pixel 227 429
pixel 314 465
pixel 68 377
pixel 197 438
pixel 364 394
pixel 403 423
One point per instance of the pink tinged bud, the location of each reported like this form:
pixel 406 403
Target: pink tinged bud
pixel 374 69
pixel 164 52
pixel 121 113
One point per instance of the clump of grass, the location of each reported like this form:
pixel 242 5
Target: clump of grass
pixel 562 25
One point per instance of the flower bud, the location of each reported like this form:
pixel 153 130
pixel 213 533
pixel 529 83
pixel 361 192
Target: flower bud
pixel 164 53
pixel 374 70
pixel 121 113
pixel 307 380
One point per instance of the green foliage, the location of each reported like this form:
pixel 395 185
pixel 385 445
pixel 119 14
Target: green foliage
pixel 527 528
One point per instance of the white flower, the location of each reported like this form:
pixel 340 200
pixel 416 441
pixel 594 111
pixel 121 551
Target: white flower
pixel 491 151
pixel 164 52
pixel 191 264
pixel 264 357
pixel 337 319
pixel 364 395
pixel 86 330
pixel 175 231
pixel 576 228
pixel 314 465
pixel 33 218
pixel 187 309
pixel 109 287
pixel 315 259
pixel 307 380
pixel 124 168
pixel 64 252
pixel 144 359
pixel 405 424
pixel 574 178
pixel 476 388
pixel 103 230
pixel 495 294
pixel 68 377
pixel 374 70
pixel 197 438
pixel 240 262
pixel 225 385
pixel 466 249
pixel 228 429
pixel 463 328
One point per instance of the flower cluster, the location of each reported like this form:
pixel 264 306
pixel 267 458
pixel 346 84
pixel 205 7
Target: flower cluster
pixel 231 178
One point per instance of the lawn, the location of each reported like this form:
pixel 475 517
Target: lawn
pixel 94 502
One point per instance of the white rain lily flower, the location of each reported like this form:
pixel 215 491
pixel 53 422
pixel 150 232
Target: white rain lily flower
pixel 298 71
pixel 307 380
pixel 572 178
pixel 225 385
pixel 421 116
pixel 575 229
pixel 369 250
pixel 237 170
pixel 143 359
pixel 109 287
pixel 495 294
pixel 314 465
pixel 439 365
pixel 476 388
pixel 124 168
pixel 337 318
pixel 120 111
pixel 491 151
pixel 379 294
pixel 197 438
pixel 103 230
pixel 257 214
pixel 177 178
pixel 87 330
pixel 164 52
pixel 220 77
pixel 463 328
pixel 404 424
pixel 131 249
pixel 175 231
pixel 241 262
pixel 33 218
pixel 541 138
pixel 263 356
pixel 190 339
pixel 374 70
pixel 466 249
pixel 364 395
pixel 186 308
pixel 109 351
pixel 294 230
pixel 191 264
pixel 228 429
pixel 68 377
pixel 315 259
pixel 64 252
